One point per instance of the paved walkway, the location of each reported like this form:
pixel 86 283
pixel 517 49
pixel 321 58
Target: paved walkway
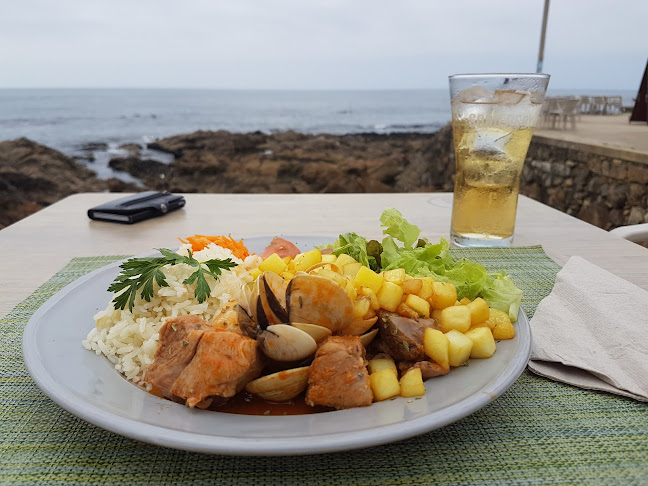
pixel 612 131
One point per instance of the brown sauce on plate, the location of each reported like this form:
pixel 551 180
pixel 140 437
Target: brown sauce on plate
pixel 245 403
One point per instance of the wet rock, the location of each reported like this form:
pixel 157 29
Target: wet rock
pixel 33 176
pixel 636 215
pixel 133 149
pixel 92 146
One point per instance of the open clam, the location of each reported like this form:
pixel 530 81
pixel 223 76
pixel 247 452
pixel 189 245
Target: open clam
pixel 366 339
pixel 281 386
pixel 358 327
pixel 272 296
pixel 317 300
pixel 318 333
pixel 283 342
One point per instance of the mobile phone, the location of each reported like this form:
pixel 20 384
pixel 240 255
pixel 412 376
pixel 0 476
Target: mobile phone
pixel 141 206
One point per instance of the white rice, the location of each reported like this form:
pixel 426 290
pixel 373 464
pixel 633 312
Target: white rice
pixel 129 339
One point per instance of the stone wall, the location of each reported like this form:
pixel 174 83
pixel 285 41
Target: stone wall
pixel 604 186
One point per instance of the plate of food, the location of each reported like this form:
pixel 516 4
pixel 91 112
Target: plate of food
pixel 281 346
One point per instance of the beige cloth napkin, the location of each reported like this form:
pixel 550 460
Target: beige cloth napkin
pixel 592 332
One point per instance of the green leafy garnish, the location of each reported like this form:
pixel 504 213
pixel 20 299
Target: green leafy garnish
pixel 402 248
pixel 144 272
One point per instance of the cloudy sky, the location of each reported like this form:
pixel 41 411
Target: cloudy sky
pixel 318 44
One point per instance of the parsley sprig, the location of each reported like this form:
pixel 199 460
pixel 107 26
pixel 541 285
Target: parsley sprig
pixel 143 272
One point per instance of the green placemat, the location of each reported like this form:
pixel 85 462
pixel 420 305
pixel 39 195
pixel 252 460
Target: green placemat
pixel 538 432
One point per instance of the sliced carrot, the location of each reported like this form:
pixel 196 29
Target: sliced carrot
pixel 200 242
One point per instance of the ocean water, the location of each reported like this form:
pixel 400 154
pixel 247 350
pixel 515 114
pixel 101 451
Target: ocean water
pixel 66 119
pixel 69 119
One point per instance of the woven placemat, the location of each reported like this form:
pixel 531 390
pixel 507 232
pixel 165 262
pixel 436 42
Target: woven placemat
pixel 538 432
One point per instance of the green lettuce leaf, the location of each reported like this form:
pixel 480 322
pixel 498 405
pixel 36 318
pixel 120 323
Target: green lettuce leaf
pixel 430 260
pixel 398 228
pixel 355 246
pixel 502 294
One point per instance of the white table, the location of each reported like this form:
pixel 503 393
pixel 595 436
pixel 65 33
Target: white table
pixel 35 248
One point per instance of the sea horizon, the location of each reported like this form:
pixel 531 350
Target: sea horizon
pixel 73 119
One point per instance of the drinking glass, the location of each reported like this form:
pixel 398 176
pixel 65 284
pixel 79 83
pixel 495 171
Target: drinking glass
pixel 493 117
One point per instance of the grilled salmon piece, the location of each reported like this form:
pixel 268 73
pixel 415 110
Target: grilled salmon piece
pixel 177 346
pixel 224 363
pixel 338 377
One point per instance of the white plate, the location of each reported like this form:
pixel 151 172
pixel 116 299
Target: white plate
pixel 89 387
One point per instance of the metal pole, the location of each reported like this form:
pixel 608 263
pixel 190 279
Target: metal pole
pixel 542 36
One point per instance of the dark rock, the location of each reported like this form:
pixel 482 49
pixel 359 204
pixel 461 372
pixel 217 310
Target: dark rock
pixel 33 176
pixel 132 148
pixel 92 146
pixel 594 213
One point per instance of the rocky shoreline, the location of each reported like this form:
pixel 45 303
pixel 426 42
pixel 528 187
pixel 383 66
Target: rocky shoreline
pixel 33 176
pixel 603 191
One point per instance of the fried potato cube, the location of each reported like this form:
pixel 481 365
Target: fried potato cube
pixel 436 345
pixel 419 305
pixel 332 275
pixel 455 317
pixel 361 306
pixel 396 275
pixel 349 286
pixel 378 364
pixel 464 301
pixel 504 330
pixel 352 269
pixel 389 296
pixel 459 348
pixel 406 311
pixel 305 260
pixel 329 258
pixel 436 315
pixel 427 288
pixel 411 383
pixel 496 317
pixel 344 259
pixel 483 342
pixel 274 263
pixel 384 384
pixel 366 291
pixel 412 286
pixel 445 295
pixel 287 276
pixel 479 311
pixel 368 278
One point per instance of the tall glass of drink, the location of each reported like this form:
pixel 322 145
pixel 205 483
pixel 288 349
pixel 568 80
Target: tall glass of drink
pixel 493 117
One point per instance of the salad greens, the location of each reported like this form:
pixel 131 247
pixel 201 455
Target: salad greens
pixel 421 258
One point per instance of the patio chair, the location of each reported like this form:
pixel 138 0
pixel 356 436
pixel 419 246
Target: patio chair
pixel 598 105
pixel 563 110
pixel 585 104
pixel 549 111
pixel 613 104
pixel 637 233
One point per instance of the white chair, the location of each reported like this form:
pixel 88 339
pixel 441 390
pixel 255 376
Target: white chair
pixel 637 233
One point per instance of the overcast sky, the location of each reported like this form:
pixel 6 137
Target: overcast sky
pixel 302 44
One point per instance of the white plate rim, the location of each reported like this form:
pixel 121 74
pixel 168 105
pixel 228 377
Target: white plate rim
pixel 301 445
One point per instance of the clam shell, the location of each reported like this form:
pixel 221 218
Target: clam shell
pixel 317 300
pixel 283 342
pixel 318 333
pixel 333 266
pixel 359 326
pixel 366 339
pixel 281 386
pixel 272 293
pixel 248 327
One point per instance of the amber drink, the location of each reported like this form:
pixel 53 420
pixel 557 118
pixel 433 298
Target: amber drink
pixel 493 117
